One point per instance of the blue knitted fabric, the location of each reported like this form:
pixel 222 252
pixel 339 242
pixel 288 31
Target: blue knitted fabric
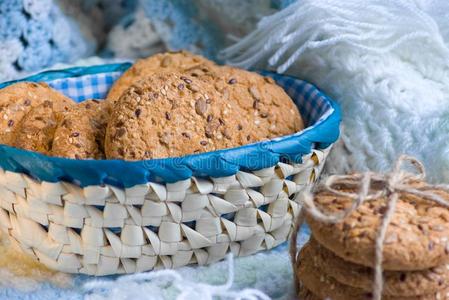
pixel 205 26
pixel 35 34
pixel 178 24
pixel 111 11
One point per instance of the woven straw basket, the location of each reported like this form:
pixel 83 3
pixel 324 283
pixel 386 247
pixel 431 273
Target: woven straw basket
pixel 110 217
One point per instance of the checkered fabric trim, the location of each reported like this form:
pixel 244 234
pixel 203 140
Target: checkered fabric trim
pixel 92 86
pixel 312 103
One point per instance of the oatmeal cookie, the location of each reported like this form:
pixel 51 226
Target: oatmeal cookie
pixel 171 114
pixel 80 133
pixel 17 100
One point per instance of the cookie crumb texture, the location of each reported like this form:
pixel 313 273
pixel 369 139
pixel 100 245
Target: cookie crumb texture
pixel 19 99
pixel 182 61
pixel 396 283
pixel 173 114
pixel 417 237
pixel 80 134
pixel 36 130
pixel 268 111
pixel 266 104
pixel 316 285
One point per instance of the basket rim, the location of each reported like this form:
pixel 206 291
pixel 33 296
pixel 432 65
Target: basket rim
pixel 219 163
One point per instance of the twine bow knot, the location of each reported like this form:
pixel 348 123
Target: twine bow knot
pixel 369 186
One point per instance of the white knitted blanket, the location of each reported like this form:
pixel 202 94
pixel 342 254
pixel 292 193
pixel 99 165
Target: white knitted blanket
pixel 385 62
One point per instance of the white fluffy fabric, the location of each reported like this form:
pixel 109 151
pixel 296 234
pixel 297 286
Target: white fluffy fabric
pixel 386 64
pixel 157 282
pixel 136 40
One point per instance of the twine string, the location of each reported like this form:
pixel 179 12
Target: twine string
pixel 293 247
pixel 368 186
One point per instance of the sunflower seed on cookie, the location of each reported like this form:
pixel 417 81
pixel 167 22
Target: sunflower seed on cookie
pixel 80 133
pixel 35 131
pixel 183 61
pixel 172 122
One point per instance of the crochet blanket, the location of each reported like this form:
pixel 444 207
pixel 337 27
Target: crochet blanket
pixel 385 61
pixel 36 34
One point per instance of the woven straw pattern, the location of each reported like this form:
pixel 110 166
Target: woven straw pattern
pixel 101 230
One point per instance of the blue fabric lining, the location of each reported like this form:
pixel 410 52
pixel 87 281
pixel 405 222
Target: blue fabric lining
pixel 319 112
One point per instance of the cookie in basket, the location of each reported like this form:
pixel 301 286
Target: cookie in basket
pixel 416 238
pixel 17 100
pixel 323 286
pixel 396 283
pixel 80 134
pixel 183 61
pixel 267 105
pixel 171 114
pixel 36 130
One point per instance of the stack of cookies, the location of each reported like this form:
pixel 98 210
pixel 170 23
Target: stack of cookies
pixel 337 263
pixel 167 105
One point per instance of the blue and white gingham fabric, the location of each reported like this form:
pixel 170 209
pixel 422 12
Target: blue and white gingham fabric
pixel 321 116
pixel 92 86
pixel 312 104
